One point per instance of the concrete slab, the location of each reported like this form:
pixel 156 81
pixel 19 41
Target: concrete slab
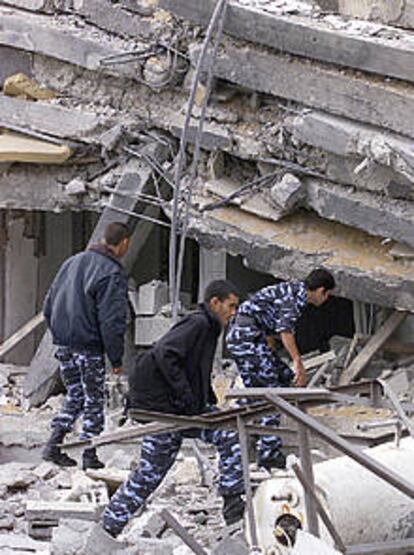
pixel 312 38
pixel 45 6
pixel 49 119
pixel 375 214
pixel 114 18
pixel 345 137
pixel 297 244
pixel 342 93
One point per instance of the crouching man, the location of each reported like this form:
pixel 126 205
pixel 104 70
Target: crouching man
pixel 174 376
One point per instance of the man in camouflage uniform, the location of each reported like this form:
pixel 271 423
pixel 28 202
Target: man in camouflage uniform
pixel 274 311
pixel 175 377
pixel 85 309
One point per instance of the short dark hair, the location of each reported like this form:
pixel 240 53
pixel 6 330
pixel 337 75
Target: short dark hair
pixel 220 288
pixel 320 278
pixel 115 232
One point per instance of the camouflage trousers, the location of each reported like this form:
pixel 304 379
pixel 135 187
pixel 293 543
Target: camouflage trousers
pixel 158 454
pixel 83 375
pixel 259 366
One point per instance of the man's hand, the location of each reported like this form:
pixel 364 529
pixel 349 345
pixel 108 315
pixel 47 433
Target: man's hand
pixel 117 370
pixel 300 373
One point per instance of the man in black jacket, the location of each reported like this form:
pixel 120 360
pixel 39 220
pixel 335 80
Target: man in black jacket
pixel 85 309
pixel 175 376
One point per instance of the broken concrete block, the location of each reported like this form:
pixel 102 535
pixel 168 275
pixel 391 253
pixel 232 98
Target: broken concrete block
pixel 155 527
pixel 17 475
pixel 100 542
pixel 148 329
pixel 152 297
pixel 6 522
pixel 22 86
pixel 16 543
pixel 76 187
pixel 45 470
pixel 232 545
pixel 288 192
pixel 70 536
pixel 121 460
pixel 186 472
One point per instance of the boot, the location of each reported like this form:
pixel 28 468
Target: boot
pixel 100 542
pixel 233 508
pixel 90 459
pixel 278 460
pixel 52 450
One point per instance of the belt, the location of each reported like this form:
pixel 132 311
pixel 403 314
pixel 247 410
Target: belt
pixel 244 320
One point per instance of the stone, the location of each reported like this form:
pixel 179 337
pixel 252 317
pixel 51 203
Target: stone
pixel 17 475
pixel 22 86
pixel 45 470
pixel 76 187
pixel 288 192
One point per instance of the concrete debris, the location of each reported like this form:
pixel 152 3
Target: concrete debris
pixel 22 86
pixel 16 475
pixel 288 192
pixel 232 545
pixel 75 187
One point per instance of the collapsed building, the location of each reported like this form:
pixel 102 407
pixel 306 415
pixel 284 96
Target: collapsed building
pixel 303 158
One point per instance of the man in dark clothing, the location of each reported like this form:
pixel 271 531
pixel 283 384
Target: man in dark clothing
pixel 85 309
pixel 175 377
pixel 274 311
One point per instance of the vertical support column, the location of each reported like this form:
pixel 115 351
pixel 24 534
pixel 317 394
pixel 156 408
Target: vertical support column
pixel 247 484
pixel 307 469
pixel 213 265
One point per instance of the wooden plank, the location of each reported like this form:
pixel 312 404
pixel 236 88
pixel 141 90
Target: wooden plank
pixel 318 360
pixel 356 367
pixel 345 93
pixel 50 510
pixel 20 334
pixel 19 148
pixel 182 533
pixel 311 38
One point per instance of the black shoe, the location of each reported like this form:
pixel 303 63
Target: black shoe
pixel 233 508
pixel 90 459
pixel 278 460
pixel 52 450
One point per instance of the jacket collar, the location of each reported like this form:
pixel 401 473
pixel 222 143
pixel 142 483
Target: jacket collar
pixel 103 249
pixel 215 322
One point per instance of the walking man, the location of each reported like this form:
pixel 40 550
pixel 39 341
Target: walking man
pixel 174 376
pixel 274 311
pixel 85 309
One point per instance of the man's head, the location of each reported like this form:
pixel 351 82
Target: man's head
pixel 222 297
pixel 319 286
pixel 116 237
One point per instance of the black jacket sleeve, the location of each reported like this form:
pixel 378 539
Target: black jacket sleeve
pixel 171 353
pixel 112 304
